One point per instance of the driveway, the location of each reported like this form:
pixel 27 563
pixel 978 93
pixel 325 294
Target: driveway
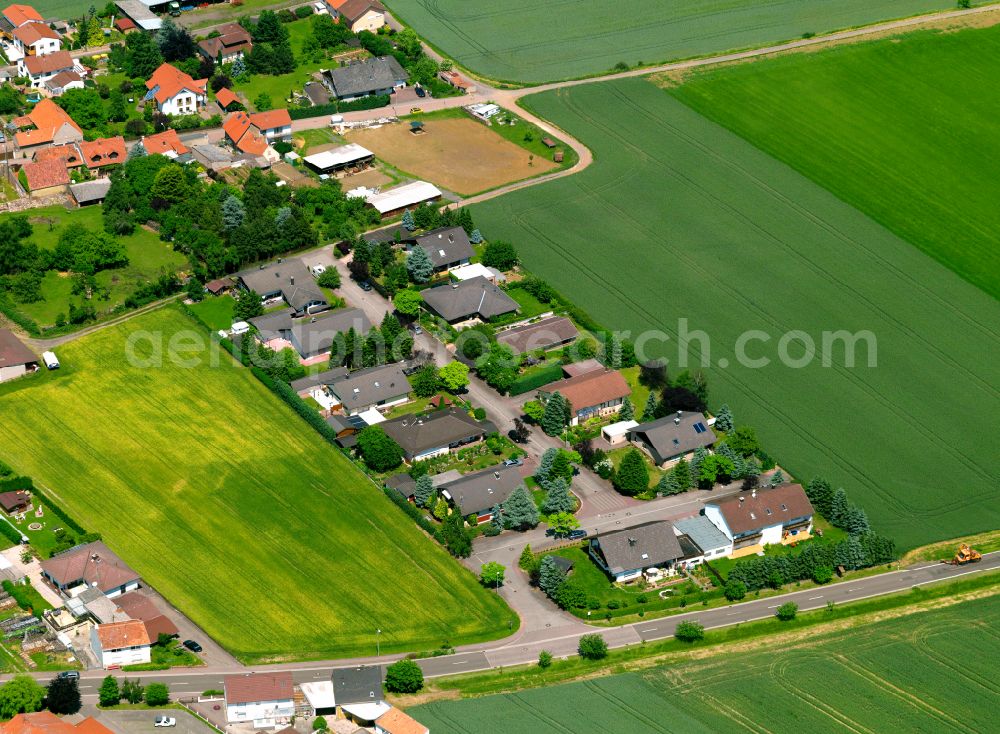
pixel 129 722
pixel 212 653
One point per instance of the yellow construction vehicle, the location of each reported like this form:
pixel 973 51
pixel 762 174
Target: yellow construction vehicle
pixel 965 555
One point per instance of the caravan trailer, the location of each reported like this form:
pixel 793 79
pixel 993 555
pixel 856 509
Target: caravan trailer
pixel 50 359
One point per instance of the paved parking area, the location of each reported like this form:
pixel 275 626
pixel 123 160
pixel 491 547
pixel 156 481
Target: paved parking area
pixel 130 722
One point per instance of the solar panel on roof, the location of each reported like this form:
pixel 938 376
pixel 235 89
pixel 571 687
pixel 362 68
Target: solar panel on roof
pixel 699 428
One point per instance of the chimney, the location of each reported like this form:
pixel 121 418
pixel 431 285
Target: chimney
pixel 677 421
pixel 496 475
pixel 753 494
pixel 451 238
pixel 678 415
pixel 291 280
pixel 741 501
pixel 632 541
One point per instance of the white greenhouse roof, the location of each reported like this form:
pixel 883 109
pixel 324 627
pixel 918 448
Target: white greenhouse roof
pixel 339 156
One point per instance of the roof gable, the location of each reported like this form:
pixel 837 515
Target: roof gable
pixel 473 297
pixel 762 508
pixel 258 687
pixel 18 15
pixel 641 546
pixel 590 388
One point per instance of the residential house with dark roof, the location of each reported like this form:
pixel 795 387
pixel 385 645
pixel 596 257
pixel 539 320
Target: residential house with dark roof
pixel 447 247
pixel 263 699
pixel 318 380
pixel 357 692
pixel 46 124
pixel 477 493
pixel 360 15
pixel 287 280
pixel 47 177
pixel 375 387
pixel 551 332
pixel 380 75
pixel 624 554
pixel 121 643
pixel 762 517
pixel 435 434
pixel 174 92
pixel 673 437
pixel 39 69
pixel 15 501
pixel 90 565
pixel 312 337
pixel 233 42
pixel 593 394
pixel 469 299
pixel 711 542
pixel 88 193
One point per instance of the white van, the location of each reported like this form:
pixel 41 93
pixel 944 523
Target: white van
pixel 50 360
pixel 336 120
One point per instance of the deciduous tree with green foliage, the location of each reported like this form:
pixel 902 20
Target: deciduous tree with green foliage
pixel 21 694
pixel 544 659
pixel 425 381
pixel 563 522
pixel 592 647
pixel 329 278
pixel 408 302
pixel 109 693
pixel 157 694
pixel 63 696
pixel 689 632
pixel 491 574
pixel 404 676
pixel 247 306
pixel 787 611
pixel 454 376
pixel 500 255
pixel 378 450
pixel 735 590
pixel 170 184
pixel 632 477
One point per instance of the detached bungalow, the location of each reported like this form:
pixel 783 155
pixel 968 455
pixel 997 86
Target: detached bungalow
pixel 468 299
pixel 288 280
pixel 669 439
pixel 593 394
pixel 381 75
pixel 92 565
pixel 121 643
pixel 375 387
pixel 447 247
pixel 312 338
pixel 624 554
pixel 477 493
pixel 763 517
pixel 174 92
pixel 541 335
pixel 435 434
pixel 263 699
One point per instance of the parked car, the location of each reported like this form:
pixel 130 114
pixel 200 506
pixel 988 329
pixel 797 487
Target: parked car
pixel 69 675
pixel 579 534
pixel 192 645
pixel 513 461
pixel 420 91
pixel 318 270
pixel 164 721
pixel 365 285
pixel 415 110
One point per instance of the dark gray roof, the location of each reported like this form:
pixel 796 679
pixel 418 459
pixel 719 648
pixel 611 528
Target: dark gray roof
pixel 641 546
pixel 275 325
pixel 473 297
pixel 563 564
pixel 446 245
pixel 319 378
pixel 290 278
pixel 365 77
pixel 390 234
pixel 703 532
pixel 360 684
pixel 312 336
pixel 89 191
pixel 339 423
pixel 371 386
pixel 419 434
pixel 674 435
pixel 540 335
pixel 479 491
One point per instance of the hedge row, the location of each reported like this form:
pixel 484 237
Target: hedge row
pixel 293 401
pixel 527 383
pixel 15 484
pixel 58 511
pixel 332 108
pixel 10 311
pixel 10 532
pixel 416 515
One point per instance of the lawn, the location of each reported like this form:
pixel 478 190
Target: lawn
pixel 280 87
pixel 231 506
pixel 149 257
pixel 679 218
pixel 530 306
pixel 927 672
pixel 216 311
pixel 904 129
pixel 514 41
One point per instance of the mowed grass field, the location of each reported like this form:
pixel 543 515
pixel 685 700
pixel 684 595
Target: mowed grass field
pixel 929 672
pixel 523 41
pixel 905 129
pixel 678 218
pixel 232 507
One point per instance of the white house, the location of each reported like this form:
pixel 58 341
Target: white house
pixel 121 643
pixel 174 92
pixel 34 39
pixel 263 699
pixel 763 517
pixel 360 15
pixel 39 69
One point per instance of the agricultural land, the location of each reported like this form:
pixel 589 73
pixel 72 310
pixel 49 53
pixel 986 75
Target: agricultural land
pixel 928 672
pixel 678 218
pixel 232 507
pixel 517 42
pixel 901 128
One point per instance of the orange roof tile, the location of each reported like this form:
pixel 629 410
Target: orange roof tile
pixel 117 635
pixel 244 134
pixel 45 722
pixel 48 63
pixel 47 117
pixel 226 97
pixel 172 80
pixel 395 721
pixel 271 119
pixel 43 174
pixel 18 15
pixel 104 152
pixel 30 33
pixel 68 153
pixel 163 143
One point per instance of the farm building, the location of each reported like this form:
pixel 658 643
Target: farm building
pixel 624 554
pixel 91 565
pixel 592 394
pixel 381 75
pixel 121 643
pixel 139 13
pixel 457 81
pixel 220 286
pixel 394 201
pixel 669 439
pixel 287 280
pixel 447 247
pixel 88 193
pixel 477 493
pixel 542 335
pixel 15 358
pixel 473 298
pixel 350 156
pixel 763 517
pixel 435 434
pixel 263 699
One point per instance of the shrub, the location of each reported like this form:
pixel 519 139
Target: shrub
pixel 822 574
pixel 735 590
pixel 303 11
pixel 592 647
pixel 787 611
pixel 404 676
pixel 544 659
pixel 479 414
pixel 319 723
pixel 157 694
pixel 689 632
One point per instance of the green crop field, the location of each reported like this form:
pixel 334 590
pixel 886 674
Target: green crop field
pixel 679 218
pixel 928 672
pixel 517 41
pixel 64 9
pixel 232 507
pixel 905 129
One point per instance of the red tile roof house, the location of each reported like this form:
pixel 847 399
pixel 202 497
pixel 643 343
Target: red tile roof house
pixel 34 39
pixel 93 565
pixel 49 125
pixel 104 152
pixel 232 43
pixel 39 69
pixel 266 699
pixel 592 395
pixel 253 133
pixel 46 178
pixel 46 722
pixel 763 517
pixel 167 143
pixel 174 92
pixel 121 643
pixel 16 359
pixel 226 98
